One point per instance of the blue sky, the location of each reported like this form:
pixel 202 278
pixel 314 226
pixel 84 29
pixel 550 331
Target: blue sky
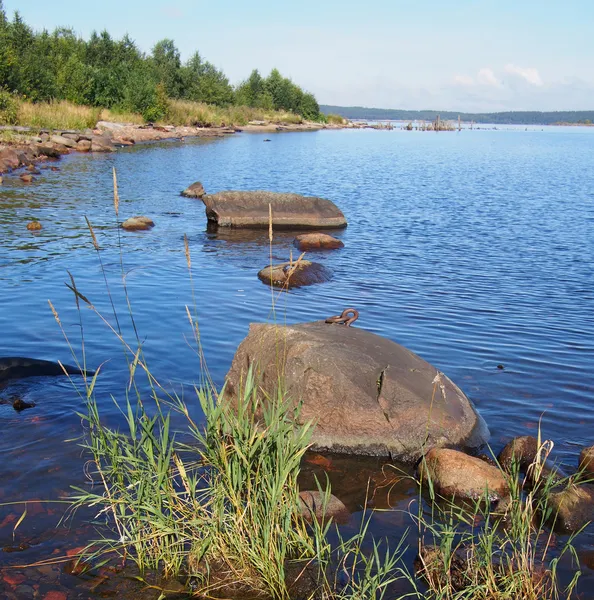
pixel 470 55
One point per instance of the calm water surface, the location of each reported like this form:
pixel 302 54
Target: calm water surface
pixel 473 249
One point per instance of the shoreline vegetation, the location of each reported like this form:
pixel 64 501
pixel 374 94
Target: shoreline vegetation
pixel 59 80
pixel 218 505
pixel 496 118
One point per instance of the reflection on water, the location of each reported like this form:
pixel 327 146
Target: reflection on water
pixel 471 249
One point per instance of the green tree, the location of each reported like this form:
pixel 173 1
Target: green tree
pixel 167 64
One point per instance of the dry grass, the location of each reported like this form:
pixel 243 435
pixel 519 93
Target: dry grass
pixel 335 119
pixel 198 114
pixel 65 115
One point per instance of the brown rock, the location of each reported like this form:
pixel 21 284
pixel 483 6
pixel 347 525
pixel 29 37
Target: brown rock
pixel 295 274
pixel 101 144
pixel 571 508
pixel 196 190
pixel 63 141
pixel 124 141
pixel 365 394
pixel 455 474
pixel 289 211
pixel 312 507
pixel 75 137
pixel 317 241
pixel 1 179
pixel 26 177
pixel 138 224
pixel 523 450
pixel 83 146
pixel 10 158
pixel 34 226
pixel 586 465
pixel 49 150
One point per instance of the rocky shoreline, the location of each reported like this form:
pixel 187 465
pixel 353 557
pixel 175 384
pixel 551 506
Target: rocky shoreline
pixel 25 147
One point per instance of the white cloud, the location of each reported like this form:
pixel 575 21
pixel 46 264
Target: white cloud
pixel 464 80
pixel 531 75
pixel 487 77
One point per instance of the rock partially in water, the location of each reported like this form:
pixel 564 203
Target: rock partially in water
pixel 8 159
pixel 523 451
pixel 34 226
pixel 138 224
pixel 102 144
pixel 196 190
pixel 19 404
pixel 317 241
pixel 49 150
pixel 295 274
pixel 572 507
pixel 26 177
pixel 366 394
pixel 458 475
pixel 83 146
pixel 312 507
pixel 289 211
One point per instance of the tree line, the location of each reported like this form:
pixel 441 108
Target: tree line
pixel 111 73
pixel 499 118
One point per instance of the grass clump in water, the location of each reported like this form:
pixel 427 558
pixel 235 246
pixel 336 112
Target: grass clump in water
pixel 473 551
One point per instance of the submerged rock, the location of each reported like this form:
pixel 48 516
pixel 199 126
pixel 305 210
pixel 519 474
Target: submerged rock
pixel 317 241
pixel 26 177
pixel 196 190
pixel 454 474
pixel 289 211
pixel 365 394
pixel 138 224
pixel 295 274
pixel 312 507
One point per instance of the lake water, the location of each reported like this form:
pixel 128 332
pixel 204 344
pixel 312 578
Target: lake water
pixel 473 249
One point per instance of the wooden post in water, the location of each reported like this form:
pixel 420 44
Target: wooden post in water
pixel 459 125
pixel 437 123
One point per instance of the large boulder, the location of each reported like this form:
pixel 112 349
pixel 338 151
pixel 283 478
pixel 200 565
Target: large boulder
pixel 289 211
pixel 366 394
pixel 295 274
pixel 454 474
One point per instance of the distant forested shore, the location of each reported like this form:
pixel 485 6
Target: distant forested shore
pixel 585 117
pixel 106 73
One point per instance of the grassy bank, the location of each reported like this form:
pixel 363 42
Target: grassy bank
pixel 66 115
